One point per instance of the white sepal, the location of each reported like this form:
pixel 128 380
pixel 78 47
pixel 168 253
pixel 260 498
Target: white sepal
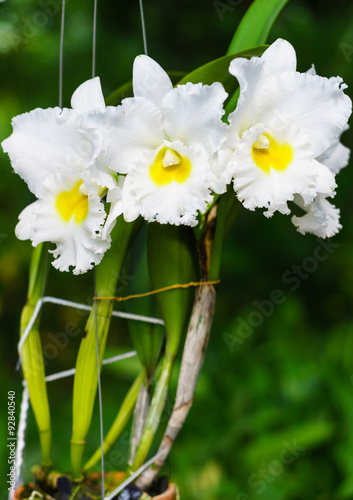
pixel 322 218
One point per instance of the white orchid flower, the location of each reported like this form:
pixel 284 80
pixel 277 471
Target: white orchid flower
pixel 60 160
pixel 164 140
pixel 283 124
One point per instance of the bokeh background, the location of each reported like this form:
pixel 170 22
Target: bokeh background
pixel 273 413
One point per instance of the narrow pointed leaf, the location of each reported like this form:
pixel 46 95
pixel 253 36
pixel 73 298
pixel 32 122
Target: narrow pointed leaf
pixel 32 355
pixel 172 259
pixel 147 338
pixel 256 24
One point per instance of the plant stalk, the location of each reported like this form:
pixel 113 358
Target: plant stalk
pixel 140 415
pixel 155 412
pixel 193 355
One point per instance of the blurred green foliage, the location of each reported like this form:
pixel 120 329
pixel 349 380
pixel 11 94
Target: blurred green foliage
pixel 287 384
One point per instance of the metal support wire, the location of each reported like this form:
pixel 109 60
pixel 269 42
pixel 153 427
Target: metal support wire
pixel 22 426
pixel 99 382
pixel 94 42
pixel 132 478
pixel 66 373
pixel 143 27
pixel 61 56
pixel 77 305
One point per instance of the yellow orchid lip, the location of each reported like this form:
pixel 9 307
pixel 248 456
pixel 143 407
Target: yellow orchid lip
pixel 267 153
pixel 170 166
pixel 72 203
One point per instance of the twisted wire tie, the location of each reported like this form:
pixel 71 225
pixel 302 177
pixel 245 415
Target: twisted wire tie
pixel 159 290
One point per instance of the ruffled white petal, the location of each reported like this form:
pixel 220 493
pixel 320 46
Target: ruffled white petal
pixel 174 203
pixel 150 80
pixel 192 114
pixel 322 218
pixel 128 130
pixel 77 245
pixel 88 97
pixel 48 141
pixel 304 175
pixel 337 155
pixel 27 217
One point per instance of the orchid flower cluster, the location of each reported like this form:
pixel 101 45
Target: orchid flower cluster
pixel 164 153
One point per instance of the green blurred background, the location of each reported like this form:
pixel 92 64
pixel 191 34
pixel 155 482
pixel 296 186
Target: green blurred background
pixel 289 384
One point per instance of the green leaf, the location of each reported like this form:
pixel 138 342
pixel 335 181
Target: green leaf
pixel 119 94
pixel 172 259
pixel 256 24
pixel 147 338
pixel 217 70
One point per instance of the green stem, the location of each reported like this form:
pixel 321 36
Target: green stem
pixel 120 420
pixel 32 355
pixel 155 411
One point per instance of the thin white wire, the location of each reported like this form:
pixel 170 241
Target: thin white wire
pixel 21 438
pixel 77 305
pixel 143 27
pixel 61 57
pixel 136 474
pixel 72 371
pixel 94 43
pixel 21 433
pixel 100 402
pixel 65 373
